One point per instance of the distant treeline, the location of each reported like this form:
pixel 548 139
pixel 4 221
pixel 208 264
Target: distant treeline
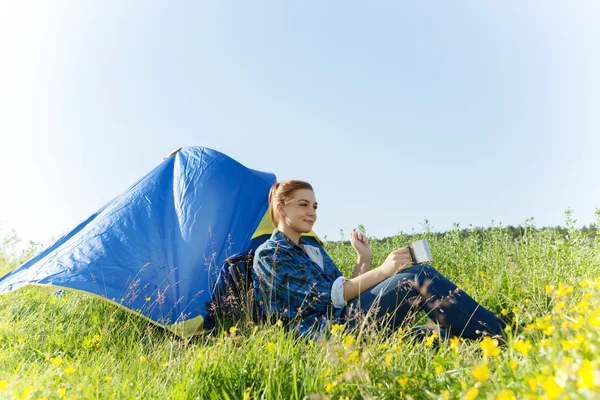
pixel 590 231
pixel 518 231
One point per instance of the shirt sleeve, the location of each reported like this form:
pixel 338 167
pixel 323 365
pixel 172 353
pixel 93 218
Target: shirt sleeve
pixel 283 278
pixel 337 292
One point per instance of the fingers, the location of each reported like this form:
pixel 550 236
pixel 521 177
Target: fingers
pixel 404 266
pixel 401 256
pixel 402 250
pixel 354 235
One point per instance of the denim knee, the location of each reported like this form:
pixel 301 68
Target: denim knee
pixel 423 273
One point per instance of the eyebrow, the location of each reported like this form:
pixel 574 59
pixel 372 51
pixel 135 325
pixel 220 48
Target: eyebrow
pixel 306 201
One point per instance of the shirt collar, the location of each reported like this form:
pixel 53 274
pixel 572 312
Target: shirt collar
pixel 281 237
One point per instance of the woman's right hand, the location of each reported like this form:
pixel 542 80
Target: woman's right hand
pixel 396 261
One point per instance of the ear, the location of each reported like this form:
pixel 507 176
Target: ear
pixel 279 209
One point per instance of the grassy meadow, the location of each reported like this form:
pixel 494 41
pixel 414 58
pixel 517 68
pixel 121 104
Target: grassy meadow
pixel 77 347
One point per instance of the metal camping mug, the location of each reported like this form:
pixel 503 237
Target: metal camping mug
pixel 419 252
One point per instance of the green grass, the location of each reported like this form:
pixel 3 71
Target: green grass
pixel 75 346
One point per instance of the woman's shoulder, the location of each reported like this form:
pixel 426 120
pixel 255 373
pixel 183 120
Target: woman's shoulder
pixel 271 247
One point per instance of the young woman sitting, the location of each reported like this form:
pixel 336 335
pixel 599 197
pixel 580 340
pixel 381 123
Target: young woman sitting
pixel 301 285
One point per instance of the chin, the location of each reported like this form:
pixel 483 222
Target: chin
pixel 304 228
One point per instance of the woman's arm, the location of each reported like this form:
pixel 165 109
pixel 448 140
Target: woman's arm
pixel 361 267
pixel 394 263
pixel 360 244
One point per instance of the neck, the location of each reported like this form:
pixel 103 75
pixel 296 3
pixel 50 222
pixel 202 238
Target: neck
pixel 289 232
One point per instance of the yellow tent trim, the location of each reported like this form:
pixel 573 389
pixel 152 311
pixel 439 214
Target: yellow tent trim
pixel 265 227
pixel 173 152
pixel 183 329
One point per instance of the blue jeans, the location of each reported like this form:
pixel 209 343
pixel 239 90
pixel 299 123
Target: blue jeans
pixel 421 287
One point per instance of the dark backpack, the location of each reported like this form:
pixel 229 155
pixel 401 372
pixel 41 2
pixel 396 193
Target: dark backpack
pixel 234 291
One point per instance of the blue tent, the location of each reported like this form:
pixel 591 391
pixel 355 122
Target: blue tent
pixel 158 248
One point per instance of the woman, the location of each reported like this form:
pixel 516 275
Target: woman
pixel 301 285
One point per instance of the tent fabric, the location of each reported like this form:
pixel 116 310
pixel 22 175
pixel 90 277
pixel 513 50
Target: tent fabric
pixel 157 248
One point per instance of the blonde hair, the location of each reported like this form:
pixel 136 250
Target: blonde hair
pixel 281 193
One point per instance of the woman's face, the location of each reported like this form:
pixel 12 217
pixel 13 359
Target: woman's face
pixel 300 213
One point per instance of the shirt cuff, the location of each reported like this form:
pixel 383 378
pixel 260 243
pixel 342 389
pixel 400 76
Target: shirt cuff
pixel 337 293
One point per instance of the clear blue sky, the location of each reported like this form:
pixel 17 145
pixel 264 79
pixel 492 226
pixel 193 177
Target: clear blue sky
pixel 397 112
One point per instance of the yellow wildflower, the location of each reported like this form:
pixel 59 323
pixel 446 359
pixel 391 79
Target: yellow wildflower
pixel 348 341
pixel 279 323
pixel 439 369
pixel 3 384
pixel 108 378
pixel 56 361
pixel 335 328
pixel 69 370
pixel 506 395
pixel 583 306
pixel 142 358
pixel 552 387
pixel 400 331
pixel 403 381
pixel 504 312
pixel 549 330
pixel 584 283
pixel 481 372
pixel 353 356
pixel 595 318
pixel 585 376
pixel 514 364
pixel 532 384
pixel 247 394
pixel 61 392
pixel 328 372
pixel 27 392
pixel 523 346
pixel 574 343
pixel 388 359
pixel 578 323
pixel 563 290
pixel 329 387
pixel 454 343
pixel 559 306
pixel 549 289
pixel 233 330
pixel 147 298
pixel 543 343
pixel 270 346
pixel 490 347
pixel 472 393
pixel 430 339
pixel 463 384
pixel 445 394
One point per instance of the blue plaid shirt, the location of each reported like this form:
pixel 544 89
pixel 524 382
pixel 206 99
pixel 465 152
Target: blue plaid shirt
pixel 292 287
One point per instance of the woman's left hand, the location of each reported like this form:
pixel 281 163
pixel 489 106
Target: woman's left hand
pixel 360 243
